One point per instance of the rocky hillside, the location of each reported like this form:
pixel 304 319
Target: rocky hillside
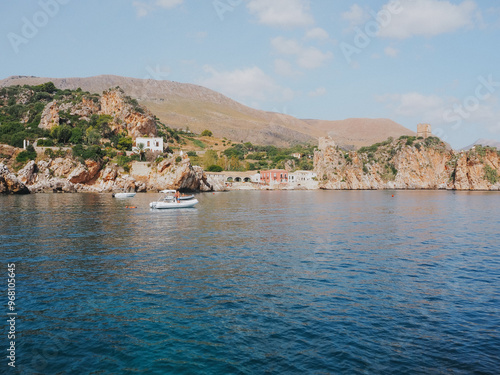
pixel 36 111
pixel 69 175
pixel 407 163
pixel 367 131
pixel 181 105
pixel 483 142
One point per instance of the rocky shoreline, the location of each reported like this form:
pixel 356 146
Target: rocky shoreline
pixel 408 164
pixel 396 165
pixel 70 176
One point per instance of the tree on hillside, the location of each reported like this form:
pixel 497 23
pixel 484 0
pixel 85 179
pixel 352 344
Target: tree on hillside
pixel 206 133
pixel 61 133
pixel 210 158
pixel 141 150
pixel 124 144
pixel 93 136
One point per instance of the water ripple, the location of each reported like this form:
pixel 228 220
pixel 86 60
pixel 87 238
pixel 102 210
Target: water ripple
pixel 257 282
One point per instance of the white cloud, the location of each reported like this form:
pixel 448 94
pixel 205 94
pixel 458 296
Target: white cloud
pixel 307 57
pixel 245 84
pixel 198 36
pixel 311 58
pixel 356 15
pixel 286 46
pixel 282 13
pixel 391 52
pixel 412 104
pixel 317 33
pixel 143 9
pixel 429 18
pixel 447 112
pixel 284 68
pixel 168 3
pixel 320 91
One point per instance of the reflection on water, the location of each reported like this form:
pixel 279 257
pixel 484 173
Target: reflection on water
pixel 251 282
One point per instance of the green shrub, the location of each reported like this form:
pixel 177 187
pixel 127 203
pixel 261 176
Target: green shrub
pixel 122 160
pixel 92 152
pixel 199 143
pixel 50 153
pixel 76 136
pixel 17 139
pixel 125 144
pixel 45 143
pixel 46 87
pixel 432 141
pixel 28 154
pixel 206 133
pixel 410 140
pixel 490 174
pixel 61 133
pixel 214 168
pixel 192 153
pixel 178 159
pixel 111 153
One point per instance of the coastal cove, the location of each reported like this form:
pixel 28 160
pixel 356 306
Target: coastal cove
pixel 384 282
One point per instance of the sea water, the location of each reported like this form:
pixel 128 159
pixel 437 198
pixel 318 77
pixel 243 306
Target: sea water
pixel 252 282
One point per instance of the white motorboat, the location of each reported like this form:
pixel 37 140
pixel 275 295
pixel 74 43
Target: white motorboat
pixel 168 200
pixel 124 195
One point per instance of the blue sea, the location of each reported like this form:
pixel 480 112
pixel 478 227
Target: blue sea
pixel 254 282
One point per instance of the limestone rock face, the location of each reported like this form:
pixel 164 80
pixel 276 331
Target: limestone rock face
pixel 62 167
pixel 401 166
pixel 69 175
pixel 10 184
pixel 421 169
pixel 83 174
pixel 28 174
pixel 50 116
pixel 169 175
pixel 127 117
pixel 471 170
pixel 110 173
pixel 7 151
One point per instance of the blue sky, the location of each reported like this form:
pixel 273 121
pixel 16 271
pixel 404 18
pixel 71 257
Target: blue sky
pixel 411 61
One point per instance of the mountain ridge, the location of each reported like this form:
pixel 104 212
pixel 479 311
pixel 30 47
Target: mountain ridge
pixel 194 107
pixel 482 142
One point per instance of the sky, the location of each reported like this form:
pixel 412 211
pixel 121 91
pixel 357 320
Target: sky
pixel 413 61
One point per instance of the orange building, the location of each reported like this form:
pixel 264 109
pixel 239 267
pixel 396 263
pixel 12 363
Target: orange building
pixel 274 176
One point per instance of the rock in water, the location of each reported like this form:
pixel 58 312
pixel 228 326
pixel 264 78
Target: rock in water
pixel 9 183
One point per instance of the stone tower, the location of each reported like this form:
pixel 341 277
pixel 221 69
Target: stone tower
pixel 325 142
pixel 424 130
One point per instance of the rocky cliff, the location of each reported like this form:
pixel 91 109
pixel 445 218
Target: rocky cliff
pixel 70 175
pixel 126 115
pixel 408 163
pixel 9 183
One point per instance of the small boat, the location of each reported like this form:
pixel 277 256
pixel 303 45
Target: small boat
pixel 186 197
pixel 167 200
pixel 124 195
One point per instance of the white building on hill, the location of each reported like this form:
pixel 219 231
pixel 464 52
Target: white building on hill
pixel 150 143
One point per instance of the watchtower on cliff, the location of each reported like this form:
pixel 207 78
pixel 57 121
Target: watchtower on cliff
pixel 424 130
pixel 324 142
